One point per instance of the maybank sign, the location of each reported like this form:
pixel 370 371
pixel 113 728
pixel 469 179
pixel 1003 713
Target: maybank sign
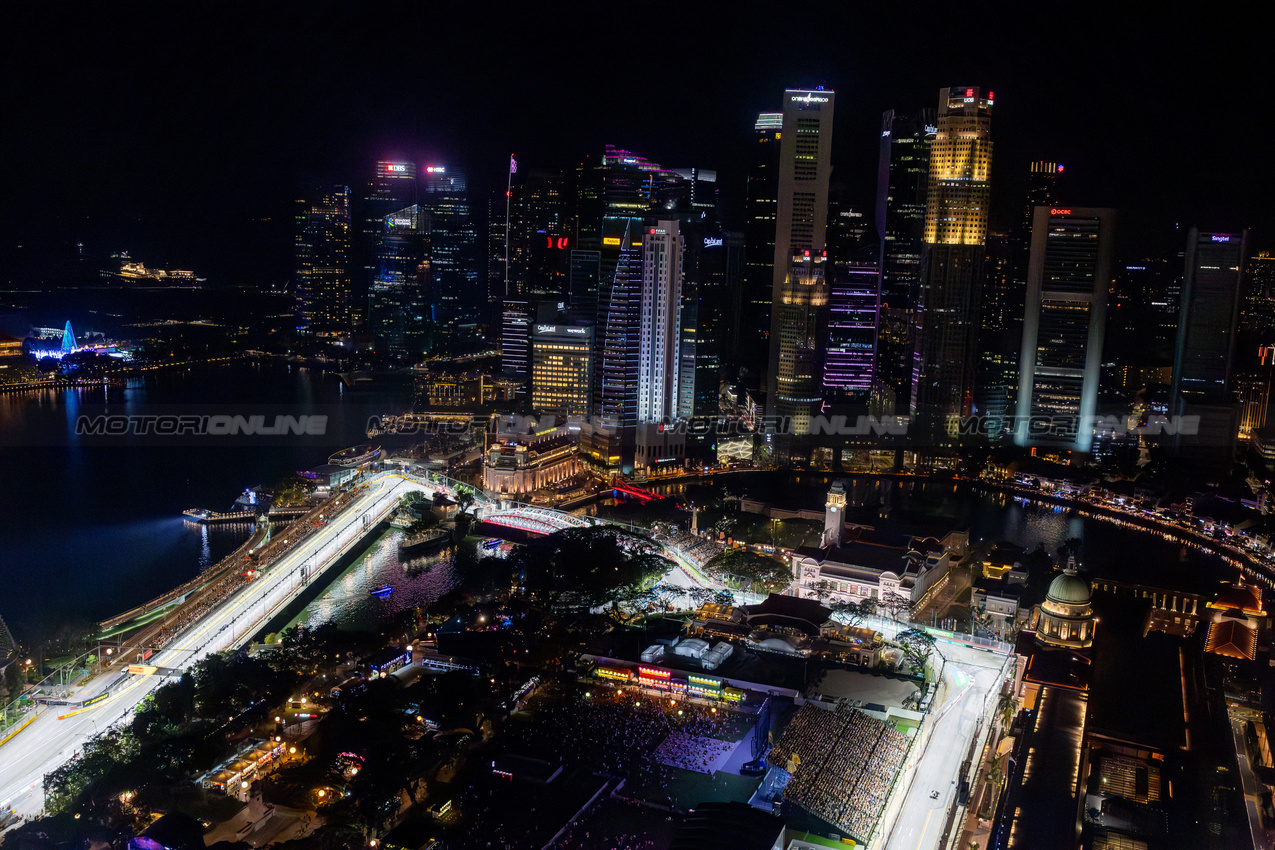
pixel 808 98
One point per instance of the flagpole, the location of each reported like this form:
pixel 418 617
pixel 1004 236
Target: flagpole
pixel 509 184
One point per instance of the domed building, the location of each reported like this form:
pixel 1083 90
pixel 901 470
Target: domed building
pixel 1066 616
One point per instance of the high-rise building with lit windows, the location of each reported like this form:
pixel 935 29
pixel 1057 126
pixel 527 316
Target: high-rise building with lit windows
pixel 849 359
pixel 453 244
pixel 323 279
pixel 400 304
pixel 902 190
pixel 391 187
pixel 749 345
pixel 1064 325
pixel 800 314
pixel 799 293
pixel 1204 358
pixel 562 368
pixel 952 269
pixel 660 323
pixel 615 386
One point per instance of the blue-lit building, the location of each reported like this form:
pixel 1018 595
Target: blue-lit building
pixel 400 304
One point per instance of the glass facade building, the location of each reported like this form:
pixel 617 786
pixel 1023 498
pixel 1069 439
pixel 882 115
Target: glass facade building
pixel 1064 324
pixel 323 279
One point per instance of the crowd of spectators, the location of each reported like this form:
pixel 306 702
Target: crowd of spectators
pixel 844 763
pixel 618 731
pixel 691 752
pixel 699 550
pixel 189 614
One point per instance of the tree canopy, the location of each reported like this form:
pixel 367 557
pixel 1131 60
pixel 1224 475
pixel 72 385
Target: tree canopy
pixel 588 567
pixel 742 567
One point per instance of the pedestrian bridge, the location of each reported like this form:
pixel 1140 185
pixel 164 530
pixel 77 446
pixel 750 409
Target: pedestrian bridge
pixel 533 520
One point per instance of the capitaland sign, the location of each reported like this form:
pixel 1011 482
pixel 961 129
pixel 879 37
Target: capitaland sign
pixel 712 241
pixel 555 329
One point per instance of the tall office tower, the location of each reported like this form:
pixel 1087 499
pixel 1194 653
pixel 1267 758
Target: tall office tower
pixel 903 168
pixel 799 319
pixel 323 261
pixel 697 192
pixel 391 187
pixel 542 230
pixel 1258 314
pixel 660 323
pixel 1000 337
pixel 400 306
pixel 496 248
pixel 719 284
pixel 453 244
pixel 847 225
pixel 850 351
pixel 515 338
pixel 1064 324
pixel 799 293
pixel 615 386
pixel 583 279
pixel 749 344
pixel 951 279
pixel 1204 359
pixel 687 341
pixel 562 368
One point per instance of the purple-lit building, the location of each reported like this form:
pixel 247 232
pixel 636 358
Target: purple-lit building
pixel 850 355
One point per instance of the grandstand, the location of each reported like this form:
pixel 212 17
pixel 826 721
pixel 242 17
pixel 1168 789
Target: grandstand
pixel 843 764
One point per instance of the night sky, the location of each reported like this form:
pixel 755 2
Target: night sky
pixel 180 132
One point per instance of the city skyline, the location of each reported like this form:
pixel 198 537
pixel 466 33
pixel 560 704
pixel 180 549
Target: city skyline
pixel 211 127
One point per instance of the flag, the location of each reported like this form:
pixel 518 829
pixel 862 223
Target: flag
pixel 513 165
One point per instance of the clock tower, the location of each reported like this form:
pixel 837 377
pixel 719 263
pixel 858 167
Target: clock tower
pixel 834 515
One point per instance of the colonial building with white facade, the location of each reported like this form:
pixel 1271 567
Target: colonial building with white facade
pixel 856 563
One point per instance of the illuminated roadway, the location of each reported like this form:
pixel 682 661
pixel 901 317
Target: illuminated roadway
pixel 49 741
pixel 60 731
pixel 920 823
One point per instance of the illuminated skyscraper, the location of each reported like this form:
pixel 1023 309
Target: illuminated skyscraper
pixel 799 293
pixel 660 323
pixel 1204 359
pixel 562 368
pixel 902 189
pixel 903 183
pixel 849 358
pixel 1064 325
pixel 391 187
pixel 951 279
pixel 719 287
pixel 400 309
pixel 615 386
pixel 323 261
pixel 749 345
pixel 452 244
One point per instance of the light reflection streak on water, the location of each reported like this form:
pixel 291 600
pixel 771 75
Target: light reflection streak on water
pixel 348 601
